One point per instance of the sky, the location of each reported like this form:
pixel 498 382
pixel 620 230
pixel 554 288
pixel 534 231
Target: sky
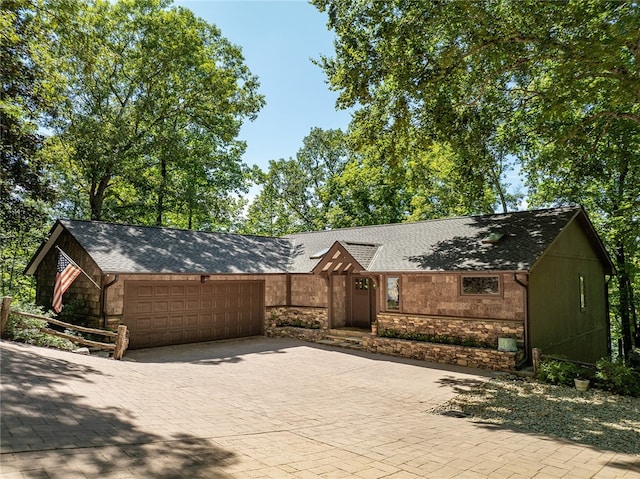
pixel 279 39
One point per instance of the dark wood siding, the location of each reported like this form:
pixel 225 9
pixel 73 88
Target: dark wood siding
pixel 557 322
pixel 160 313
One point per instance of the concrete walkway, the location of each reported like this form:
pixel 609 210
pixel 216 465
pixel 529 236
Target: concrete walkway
pixel 260 407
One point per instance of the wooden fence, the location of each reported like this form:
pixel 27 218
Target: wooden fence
pixel 118 347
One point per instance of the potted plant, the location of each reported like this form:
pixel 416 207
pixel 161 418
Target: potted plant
pixel 581 384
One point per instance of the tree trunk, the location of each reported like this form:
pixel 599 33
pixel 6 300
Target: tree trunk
pixel 624 285
pixel 96 197
pixel 161 191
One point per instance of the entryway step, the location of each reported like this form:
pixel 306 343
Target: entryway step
pixel 342 342
pixel 349 332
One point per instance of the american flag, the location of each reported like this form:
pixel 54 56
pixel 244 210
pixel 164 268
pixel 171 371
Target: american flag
pixel 67 272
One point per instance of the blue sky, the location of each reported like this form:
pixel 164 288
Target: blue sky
pixel 278 40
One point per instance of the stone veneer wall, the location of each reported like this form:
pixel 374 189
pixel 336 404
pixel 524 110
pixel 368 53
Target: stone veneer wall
pixel 312 318
pixel 444 353
pixel 486 330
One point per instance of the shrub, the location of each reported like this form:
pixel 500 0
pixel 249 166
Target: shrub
pixel 29 330
pixel 555 371
pixel 433 338
pixel 617 377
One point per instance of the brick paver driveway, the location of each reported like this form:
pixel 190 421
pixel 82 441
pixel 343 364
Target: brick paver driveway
pixel 259 408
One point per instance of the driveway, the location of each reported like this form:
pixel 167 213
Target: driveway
pixel 260 407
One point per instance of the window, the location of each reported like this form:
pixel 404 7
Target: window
pixel 480 285
pixel 361 284
pixel 393 293
pixel 583 296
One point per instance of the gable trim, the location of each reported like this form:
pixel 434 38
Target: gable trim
pixel 337 261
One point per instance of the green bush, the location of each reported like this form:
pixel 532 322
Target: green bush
pixel 433 338
pixel 28 330
pixel 617 377
pixel 557 372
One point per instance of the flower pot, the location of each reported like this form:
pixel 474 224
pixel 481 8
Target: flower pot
pixel 581 384
pixel 507 344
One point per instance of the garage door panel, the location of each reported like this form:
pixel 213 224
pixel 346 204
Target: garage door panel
pixel 177 305
pixel 161 307
pixel 161 313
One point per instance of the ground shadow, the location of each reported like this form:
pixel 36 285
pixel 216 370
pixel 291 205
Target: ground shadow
pixel 47 426
pixel 593 418
pixel 460 385
pixel 212 353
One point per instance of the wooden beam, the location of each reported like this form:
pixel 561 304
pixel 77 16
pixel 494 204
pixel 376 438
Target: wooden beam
pixel 4 313
pixel 77 339
pixel 57 322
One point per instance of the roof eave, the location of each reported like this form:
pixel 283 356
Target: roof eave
pixel 54 233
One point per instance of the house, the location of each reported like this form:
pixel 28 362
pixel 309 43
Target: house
pixel 535 277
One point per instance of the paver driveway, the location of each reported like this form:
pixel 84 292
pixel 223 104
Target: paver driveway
pixel 259 408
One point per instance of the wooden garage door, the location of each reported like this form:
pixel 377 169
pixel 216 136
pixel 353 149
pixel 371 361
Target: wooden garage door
pixel 159 313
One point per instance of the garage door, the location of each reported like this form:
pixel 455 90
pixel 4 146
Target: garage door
pixel 160 313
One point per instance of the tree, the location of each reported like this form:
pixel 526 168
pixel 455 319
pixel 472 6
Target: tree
pixel 298 194
pixel 552 84
pixel 27 94
pixel 155 100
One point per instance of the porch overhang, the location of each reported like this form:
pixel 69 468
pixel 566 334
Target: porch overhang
pixel 337 261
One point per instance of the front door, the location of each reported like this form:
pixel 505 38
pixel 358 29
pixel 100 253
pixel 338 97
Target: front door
pixel 361 303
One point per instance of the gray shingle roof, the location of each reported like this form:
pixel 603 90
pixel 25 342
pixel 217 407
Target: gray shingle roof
pixel 436 245
pixel 447 244
pixel 137 249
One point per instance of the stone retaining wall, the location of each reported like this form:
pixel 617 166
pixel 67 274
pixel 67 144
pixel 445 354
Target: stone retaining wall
pixel 484 330
pixel 303 334
pixel 304 317
pixel 444 353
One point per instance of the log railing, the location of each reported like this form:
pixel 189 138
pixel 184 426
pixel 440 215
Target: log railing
pixel 118 347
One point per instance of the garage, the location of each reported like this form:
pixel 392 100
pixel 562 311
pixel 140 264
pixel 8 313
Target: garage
pixel 161 313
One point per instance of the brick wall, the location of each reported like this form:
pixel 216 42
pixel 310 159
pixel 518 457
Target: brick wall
pixel 485 330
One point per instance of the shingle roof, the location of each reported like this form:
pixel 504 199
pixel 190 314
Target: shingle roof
pixel 435 245
pixel 447 244
pixel 138 249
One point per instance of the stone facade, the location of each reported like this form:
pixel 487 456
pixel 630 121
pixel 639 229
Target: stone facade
pixel 487 330
pixel 310 318
pixel 302 334
pixel 444 353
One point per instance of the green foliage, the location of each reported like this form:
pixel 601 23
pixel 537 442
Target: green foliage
pixel 617 377
pixel 299 194
pixel 29 330
pixel 558 372
pixel 297 323
pixel 28 93
pixel 155 98
pixel 435 338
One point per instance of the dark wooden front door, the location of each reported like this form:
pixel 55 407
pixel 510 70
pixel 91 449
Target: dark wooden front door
pixel 160 313
pixel 361 303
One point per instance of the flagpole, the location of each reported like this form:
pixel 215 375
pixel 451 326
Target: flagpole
pixel 76 265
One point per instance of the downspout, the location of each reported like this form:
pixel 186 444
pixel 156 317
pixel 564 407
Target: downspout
pixel 105 322
pixel 607 312
pixel 525 359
